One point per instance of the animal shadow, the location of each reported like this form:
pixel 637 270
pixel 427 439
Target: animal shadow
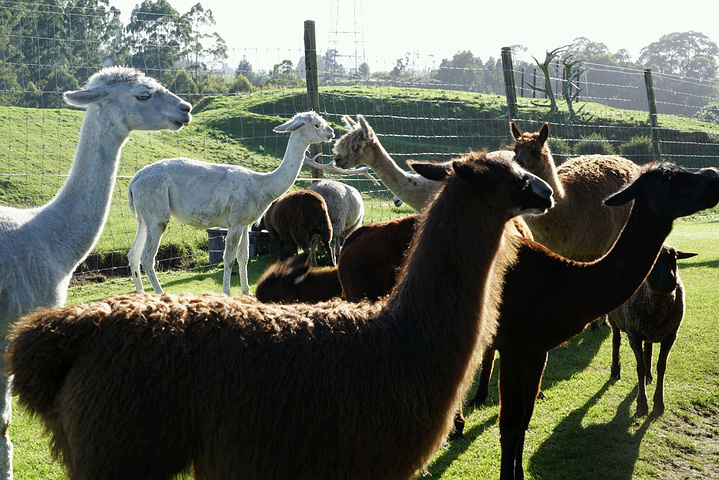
pixel 608 450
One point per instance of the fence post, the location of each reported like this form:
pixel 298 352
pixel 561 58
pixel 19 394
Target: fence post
pixel 509 87
pixel 653 122
pixel 313 93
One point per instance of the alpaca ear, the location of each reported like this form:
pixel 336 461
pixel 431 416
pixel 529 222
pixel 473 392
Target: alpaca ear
pixel 367 131
pixel 83 98
pixel 682 255
pixel 290 125
pixel 516 132
pixel 622 197
pixel 543 133
pixel 349 123
pixel 431 170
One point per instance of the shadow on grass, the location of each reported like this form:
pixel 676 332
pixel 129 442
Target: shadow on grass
pixel 608 451
pixel 214 274
pixel 457 447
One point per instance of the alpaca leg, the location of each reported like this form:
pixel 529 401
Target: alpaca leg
pixel 133 256
pixel 149 252
pixel 642 407
pixel 616 358
pixel 232 243
pixel 648 361
pixel 6 411
pixel 485 374
pixel 519 381
pixel 666 346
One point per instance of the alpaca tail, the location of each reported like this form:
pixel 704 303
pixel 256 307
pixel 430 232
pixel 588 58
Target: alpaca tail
pixel 130 201
pixel 42 349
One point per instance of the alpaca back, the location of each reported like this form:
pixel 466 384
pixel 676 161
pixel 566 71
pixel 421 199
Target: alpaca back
pixel 580 226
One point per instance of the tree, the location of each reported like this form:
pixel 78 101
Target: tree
pixel 682 53
pixel 153 35
pixel 547 90
pixel 283 75
pixel 462 69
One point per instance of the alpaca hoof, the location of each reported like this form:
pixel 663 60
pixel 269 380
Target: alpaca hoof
pixel 658 410
pixel 541 395
pixel 642 411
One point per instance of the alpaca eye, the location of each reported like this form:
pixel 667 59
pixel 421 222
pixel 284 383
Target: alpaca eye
pixel 144 96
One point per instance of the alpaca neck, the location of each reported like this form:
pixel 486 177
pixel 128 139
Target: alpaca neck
pixel 605 284
pixel 412 188
pixel 75 217
pixel 443 291
pixel 547 171
pixel 281 178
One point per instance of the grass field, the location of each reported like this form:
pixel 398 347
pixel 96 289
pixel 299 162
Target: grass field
pixel 585 428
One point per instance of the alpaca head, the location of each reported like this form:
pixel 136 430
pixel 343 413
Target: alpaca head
pixel 132 100
pixel 668 191
pixel 530 147
pixel 282 277
pixel 352 148
pixel 312 127
pixel 529 194
pixel 664 275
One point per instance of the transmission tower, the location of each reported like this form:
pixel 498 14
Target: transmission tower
pixel 346 36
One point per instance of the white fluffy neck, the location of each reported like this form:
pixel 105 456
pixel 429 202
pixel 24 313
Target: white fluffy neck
pixel 281 178
pixel 77 214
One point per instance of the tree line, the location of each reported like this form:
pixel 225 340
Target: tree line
pixel 51 46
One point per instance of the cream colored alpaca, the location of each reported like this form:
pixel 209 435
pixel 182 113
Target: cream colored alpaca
pixel 206 195
pixel 41 247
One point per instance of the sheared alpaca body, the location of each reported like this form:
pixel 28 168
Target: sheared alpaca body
pixel 41 247
pixel 205 195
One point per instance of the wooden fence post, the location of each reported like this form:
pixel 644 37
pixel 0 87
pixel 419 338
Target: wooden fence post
pixel 653 122
pixel 313 93
pixel 509 87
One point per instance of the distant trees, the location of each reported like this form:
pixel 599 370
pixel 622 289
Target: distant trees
pixel 691 54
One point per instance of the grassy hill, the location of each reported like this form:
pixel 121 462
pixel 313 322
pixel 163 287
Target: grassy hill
pixel 37 146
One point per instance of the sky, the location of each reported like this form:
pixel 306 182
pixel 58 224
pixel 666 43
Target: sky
pixel 267 32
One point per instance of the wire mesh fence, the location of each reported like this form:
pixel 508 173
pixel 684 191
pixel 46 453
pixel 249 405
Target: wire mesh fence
pixel 435 114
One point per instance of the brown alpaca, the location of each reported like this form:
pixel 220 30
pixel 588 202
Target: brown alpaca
pixel 300 218
pixel 580 226
pixel 538 316
pixel 293 280
pixel 145 386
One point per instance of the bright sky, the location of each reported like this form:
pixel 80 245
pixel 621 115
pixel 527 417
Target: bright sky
pixel 268 31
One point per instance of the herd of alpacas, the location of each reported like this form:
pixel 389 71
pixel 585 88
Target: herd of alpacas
pixel 352 371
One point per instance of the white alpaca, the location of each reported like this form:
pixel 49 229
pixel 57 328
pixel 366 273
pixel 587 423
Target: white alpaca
pixel 361 145
pixel 205 195
pixel 41 247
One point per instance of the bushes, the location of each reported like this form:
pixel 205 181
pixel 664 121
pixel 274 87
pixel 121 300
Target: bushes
pixel 594 143
pixel 638 149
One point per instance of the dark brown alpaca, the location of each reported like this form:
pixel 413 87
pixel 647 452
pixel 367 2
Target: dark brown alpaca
pixel 145 386
pixel 538 316
pixel 293 280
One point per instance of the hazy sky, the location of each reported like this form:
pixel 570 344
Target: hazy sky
pixel 270 31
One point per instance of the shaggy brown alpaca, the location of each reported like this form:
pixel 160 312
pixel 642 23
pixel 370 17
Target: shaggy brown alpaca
pixel 145 386
pixel 300 218
pixel 293 280
pixel 537 316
